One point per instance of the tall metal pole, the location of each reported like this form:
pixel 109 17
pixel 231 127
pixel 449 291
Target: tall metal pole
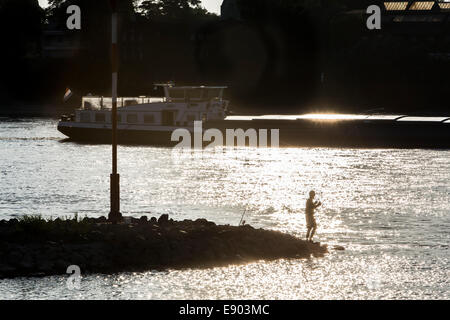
pixel 115 215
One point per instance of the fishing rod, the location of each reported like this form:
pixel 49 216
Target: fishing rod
pixel 242 218
pixel 242 221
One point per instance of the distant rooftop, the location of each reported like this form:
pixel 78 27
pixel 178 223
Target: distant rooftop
pixel 416 5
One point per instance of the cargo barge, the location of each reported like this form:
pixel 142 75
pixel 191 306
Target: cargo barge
pixel 153 121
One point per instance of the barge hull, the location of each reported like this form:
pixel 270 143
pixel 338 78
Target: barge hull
pixel 127 137
pixel 351 133
pixel 302 133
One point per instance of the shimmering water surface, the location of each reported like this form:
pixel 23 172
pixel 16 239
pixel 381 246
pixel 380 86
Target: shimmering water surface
pixel 389 208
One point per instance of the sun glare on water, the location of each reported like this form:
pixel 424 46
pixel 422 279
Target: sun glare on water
pixel 332 116
pixel 309 116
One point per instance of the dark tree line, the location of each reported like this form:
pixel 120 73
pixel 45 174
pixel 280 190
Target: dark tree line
pixel 172 9
pixel 280 54
pixel 20 31
pixel 155 38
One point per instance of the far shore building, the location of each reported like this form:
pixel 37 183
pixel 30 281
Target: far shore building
pixel 423 23
pixel 59 44
pixel 230 10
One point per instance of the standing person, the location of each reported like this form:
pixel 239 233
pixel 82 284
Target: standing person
pixel 311 224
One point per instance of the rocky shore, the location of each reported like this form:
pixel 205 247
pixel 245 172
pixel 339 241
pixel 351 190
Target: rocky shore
pixel 37 247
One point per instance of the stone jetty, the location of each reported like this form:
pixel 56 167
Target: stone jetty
pixel 37 247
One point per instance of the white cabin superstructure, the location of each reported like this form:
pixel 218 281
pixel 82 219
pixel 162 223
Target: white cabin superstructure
pixel 147 120
pixel 179 107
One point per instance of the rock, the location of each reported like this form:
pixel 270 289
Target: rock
pixel 102 219
pixel 143 220
pixel 132 220
pixel 89 220
pixel 204 222
pixel 201 221
pixel 160 244
pixel 95 235
pixel 339 248
pixel 110 236
pixel 13 221
pixel 163 219
pixel 140 238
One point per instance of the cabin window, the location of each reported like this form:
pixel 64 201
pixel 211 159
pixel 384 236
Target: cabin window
pixel 132 118
pixel 87 105
pixel 194 94
pixel 119 118
pixel 213 93
pixel 149 118
pixel 176 93
pixel 106 103
pixel 85 117
pixel 131 102
pixel 100 117
pixel 167 118
pixel 92 103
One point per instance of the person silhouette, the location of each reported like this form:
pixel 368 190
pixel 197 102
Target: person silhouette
pixel 311 224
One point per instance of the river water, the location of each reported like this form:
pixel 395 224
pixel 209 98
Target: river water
pixel 389 208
